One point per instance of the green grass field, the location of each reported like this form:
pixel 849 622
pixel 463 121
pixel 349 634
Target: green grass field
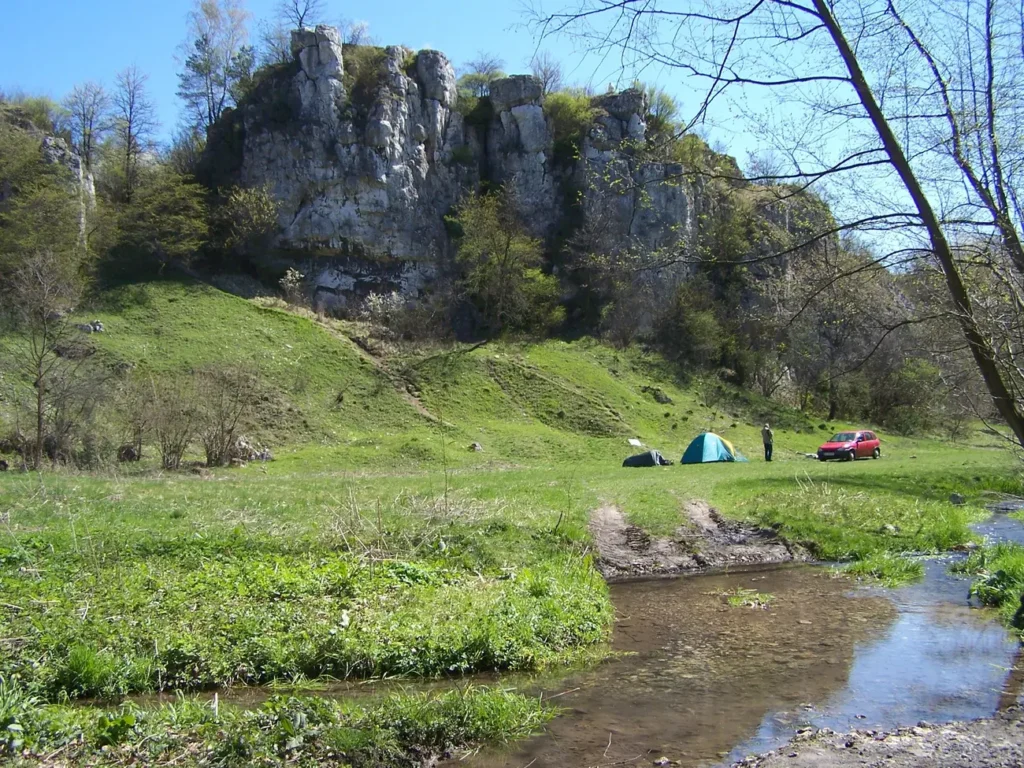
pixel 378 544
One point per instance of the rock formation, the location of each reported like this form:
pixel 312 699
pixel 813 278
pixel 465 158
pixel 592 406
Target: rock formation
pixel 366 152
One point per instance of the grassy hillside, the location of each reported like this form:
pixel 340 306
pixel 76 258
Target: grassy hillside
pixel 378 543
pixel 326 402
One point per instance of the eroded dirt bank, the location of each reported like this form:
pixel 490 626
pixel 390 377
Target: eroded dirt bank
pixel 992 743
pixel 704 540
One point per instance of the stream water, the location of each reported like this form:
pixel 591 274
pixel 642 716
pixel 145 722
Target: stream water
pixel 703 682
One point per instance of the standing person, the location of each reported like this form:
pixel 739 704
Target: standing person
pixel 768 437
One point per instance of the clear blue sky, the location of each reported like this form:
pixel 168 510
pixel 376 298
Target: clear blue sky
pixel 47 46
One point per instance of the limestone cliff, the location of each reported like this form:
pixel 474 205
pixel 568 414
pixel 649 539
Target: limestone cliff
pixel 366 151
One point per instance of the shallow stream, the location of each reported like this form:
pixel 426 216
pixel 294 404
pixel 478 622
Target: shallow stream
pixel 705 682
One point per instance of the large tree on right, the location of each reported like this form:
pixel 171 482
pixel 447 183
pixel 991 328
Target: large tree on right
pixel 907 116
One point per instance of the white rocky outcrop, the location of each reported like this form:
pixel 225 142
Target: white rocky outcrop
pixel 365 178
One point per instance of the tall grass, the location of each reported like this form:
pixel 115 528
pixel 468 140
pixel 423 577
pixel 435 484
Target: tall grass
pixel 405 729
pixel 1000 579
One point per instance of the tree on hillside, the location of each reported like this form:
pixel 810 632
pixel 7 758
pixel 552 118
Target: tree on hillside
pixel 186 151
pixel 165 223
pixel 89 108
pixel 38 208
pixel 216 59
pixel 912 110
pixel 301 13
pixel 41 294
pixel 500 265
pixel 134 125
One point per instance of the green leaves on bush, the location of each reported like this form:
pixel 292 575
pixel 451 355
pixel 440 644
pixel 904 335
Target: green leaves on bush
pixel 570 114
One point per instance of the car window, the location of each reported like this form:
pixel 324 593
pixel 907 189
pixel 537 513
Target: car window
pixel 843 437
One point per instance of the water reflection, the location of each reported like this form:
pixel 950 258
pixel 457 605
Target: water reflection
pixel 709 683
pixel 705 674
pixel 940 660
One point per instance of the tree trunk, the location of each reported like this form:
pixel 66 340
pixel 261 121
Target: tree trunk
pixel 37 459
pixel 981 349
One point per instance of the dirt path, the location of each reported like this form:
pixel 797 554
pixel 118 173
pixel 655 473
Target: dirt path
pixel 993 743
pixel 704 540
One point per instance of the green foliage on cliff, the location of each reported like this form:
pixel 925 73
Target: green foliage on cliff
pixel 571 114
pixel 363 78
pixel 39 205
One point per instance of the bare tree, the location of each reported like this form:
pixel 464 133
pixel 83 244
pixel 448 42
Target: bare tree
pixel 909 111
pixel 548 70
pixel 226 396
pixel 134 125
pixel 479 73
pixel 89 107
pixel 42 294
pixel 216 57
pixel 275 44
pixel 301 13
pixel 135 414
pixel 486 64
pixel 356 32
pixel 175 416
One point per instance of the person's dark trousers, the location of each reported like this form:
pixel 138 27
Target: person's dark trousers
pixel 767 451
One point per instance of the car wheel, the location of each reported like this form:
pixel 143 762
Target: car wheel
pixel 821 458
pixel 877 453
pixel 851 455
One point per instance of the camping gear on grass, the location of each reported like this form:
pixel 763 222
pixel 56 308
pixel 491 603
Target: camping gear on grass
pixel 709 447
pixel 649 459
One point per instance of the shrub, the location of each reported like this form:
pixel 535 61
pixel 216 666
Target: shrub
pixel 382 309
pixel 463 155
pixel 476 110
pixel 226 397
pixel 174 418
pixel 293 285
pixel 689 330
pixel 246 220
pixel 571 115
pixel 363 78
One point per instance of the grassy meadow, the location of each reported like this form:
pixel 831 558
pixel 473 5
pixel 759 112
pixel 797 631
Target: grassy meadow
pixel 378 544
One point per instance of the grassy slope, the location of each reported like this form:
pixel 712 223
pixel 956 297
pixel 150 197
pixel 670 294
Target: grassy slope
pixel 377 544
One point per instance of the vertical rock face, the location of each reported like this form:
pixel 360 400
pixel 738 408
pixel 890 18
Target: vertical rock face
pixel 366 154
pixel 56 151
pixel 364 176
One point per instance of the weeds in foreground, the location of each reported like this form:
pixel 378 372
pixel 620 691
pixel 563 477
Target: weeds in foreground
pixel 887 568
pixel 400 730
pixel 999 570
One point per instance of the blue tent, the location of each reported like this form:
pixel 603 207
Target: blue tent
pixel 709 447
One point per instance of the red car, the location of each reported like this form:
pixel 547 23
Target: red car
pixel 850 446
